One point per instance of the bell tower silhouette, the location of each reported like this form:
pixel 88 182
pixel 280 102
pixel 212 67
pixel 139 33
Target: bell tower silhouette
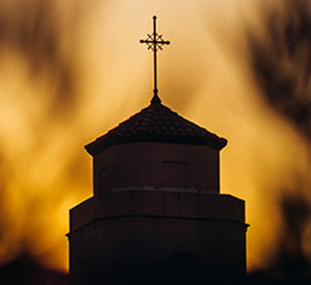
pixel 157 215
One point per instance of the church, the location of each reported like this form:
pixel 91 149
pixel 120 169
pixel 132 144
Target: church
pixel 157 215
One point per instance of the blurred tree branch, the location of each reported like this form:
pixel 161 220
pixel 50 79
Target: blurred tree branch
pixel 281 62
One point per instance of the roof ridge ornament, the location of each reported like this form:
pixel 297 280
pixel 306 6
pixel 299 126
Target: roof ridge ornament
pixel 155 43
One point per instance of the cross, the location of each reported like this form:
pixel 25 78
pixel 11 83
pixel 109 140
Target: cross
pixel 155 42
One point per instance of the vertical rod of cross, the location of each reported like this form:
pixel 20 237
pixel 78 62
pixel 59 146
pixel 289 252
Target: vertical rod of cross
pixel 154 43
pixel 155 91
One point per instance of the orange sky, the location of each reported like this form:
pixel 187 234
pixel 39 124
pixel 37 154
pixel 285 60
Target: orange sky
pixel 72 70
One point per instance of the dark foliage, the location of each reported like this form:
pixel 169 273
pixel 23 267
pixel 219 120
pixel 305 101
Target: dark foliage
pixel 281 62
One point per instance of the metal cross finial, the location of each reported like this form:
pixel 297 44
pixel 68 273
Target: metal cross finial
pixel 155 42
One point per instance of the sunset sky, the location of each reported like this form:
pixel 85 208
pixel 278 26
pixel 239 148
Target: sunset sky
pixel 73 69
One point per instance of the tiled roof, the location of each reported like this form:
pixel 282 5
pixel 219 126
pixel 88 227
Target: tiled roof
pixel 156 123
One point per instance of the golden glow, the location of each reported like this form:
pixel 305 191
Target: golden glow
pixel 55 99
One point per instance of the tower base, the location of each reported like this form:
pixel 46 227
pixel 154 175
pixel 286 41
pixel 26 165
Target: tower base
pixel 154 237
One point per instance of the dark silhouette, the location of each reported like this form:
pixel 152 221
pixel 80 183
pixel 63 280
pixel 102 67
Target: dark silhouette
pixel 157 215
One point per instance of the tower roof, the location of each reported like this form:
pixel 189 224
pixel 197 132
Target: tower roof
pixel 156 123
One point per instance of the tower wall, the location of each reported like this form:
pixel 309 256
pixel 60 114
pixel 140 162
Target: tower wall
pixel 161 166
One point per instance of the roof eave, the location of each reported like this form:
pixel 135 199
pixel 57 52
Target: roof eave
pixel 99 145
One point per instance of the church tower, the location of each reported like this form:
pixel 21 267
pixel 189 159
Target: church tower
pixel 157 215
